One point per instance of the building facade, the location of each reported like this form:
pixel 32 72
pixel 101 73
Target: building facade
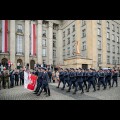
pixel 66 43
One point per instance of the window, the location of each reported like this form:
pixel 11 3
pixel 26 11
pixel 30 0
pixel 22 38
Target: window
pixel 73 49
pixel 54 43
pixel 113 27
pixel 84 45
pixel 73 28
pixel 68 41
pixel 118 30
pixel 19 44
pixel 99 44
pixel 73 38
pixel 99 58
pixel 63 52
pixel 54 53
pixel 108 59
pixel 118 50
pixel 113 37
pixel 99 32
pixel 63 34
pixel 108 35
pixel 117 39
pixel 54 35
pixel 55 27
pixel 108 47
pixel 19 28
pixel 99 22
pixel 118 60
pixel 84 33
pixel 108 25
pixel 68 51
pixel 43 52
pixel 113 60
pixel 53 62
pixel 68 31
pixel 44 42
pixel 44 33
pixel 83 22
pixel 113 48
pixel 63 42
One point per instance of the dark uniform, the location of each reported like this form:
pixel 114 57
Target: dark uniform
pixel 16 78
pixel 115 78
pixel 50 75
pixel 79 81
pixel 22 77
pixel 101 79
pixel 108 76
pixel 61 76
pixel 85 79
pixel 44 83
pixel 66 79
pixel 91 80
pixel 72 80
pixel 11 79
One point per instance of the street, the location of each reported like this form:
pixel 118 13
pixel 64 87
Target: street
pixel 19 93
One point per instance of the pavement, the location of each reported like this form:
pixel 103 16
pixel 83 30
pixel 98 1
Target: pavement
pixel 20 93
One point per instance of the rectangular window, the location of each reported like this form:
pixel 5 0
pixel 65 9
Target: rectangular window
pixel 113 37
pixel 117 39
pixel 108 35
pixel 68 31
pixel 44 33
pixel 68 41
pixel 19 28
pixel 68 51
pixel 54 36
pixel 63 43
pixel 44 42
pixel 63 52
pixel 64 34
pixel 73 38
pixel 19 44
pixel 99 22
pixel 118 50
pixel 99 58
pixel 118 60
pixel 84 45
pixel 108 25
pixel 113 60
pixel 73 27
pixel 54 43
pixel 99 44
pixel 108 59
pixel 54 53
pixel 118 30
pixel 113 48
pixel 43 52
pixel 99 32
pixel 113 27
pixel 108 47
pixel 84 33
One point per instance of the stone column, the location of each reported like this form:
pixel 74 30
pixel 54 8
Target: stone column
pixel 104 44
pixel 27 40
pixel 12 42
pixel 60 47
pixel 39 42
pixel 50 41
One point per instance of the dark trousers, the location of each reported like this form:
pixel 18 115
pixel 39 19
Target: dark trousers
pixel 91 83
pixel 39 84
pixel 101 82
pixel 12 83
pixel 70 84
pixel 66 81
pixel 108 82
pixel 21 81
pixel 0 85
pixel 16 82
pixel 116 82
pixel 60 82
pixel 78 83
pixel 85 83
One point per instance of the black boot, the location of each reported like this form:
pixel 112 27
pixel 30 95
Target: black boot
pixel 38 94
pixel 57 87
pixel 68 90
pixel 74 92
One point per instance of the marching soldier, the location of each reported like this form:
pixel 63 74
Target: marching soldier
pixel 61 76
pixel 108 76
pixel 79 81
pixel 44 83
pixel 72 79
pixel 85 78
pixel 66 78
pixel 91 80
pixel 101 79
pixel 115 78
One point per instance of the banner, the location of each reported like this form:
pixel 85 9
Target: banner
pixel 30 81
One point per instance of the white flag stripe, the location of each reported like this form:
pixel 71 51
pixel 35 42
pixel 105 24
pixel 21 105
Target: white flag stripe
pixel 3 35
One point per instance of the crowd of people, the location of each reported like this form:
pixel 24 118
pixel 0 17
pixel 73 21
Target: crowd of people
pixel 80 78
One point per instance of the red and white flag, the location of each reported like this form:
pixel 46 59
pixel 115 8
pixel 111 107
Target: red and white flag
pixel 30 81
pixel 33 39
pixel 4 36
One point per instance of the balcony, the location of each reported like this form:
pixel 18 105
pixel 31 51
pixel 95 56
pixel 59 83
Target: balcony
pixel 35 55
pixel 4 53
pixel 20 53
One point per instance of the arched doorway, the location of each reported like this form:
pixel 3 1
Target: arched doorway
pixel 4 61
pixel 20 61
pixel 32 63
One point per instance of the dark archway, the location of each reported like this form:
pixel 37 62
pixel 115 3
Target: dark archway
pixel 4 61
pixel 20 61
pixel 32 63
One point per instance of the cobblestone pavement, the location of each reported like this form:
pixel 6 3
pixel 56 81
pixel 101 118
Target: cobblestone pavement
pixel 19 93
